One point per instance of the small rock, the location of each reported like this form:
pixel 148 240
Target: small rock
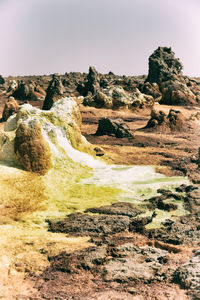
pixel 114 127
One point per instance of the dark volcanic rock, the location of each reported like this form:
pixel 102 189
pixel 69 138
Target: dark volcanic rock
pixel 188 275
pixel 86 259
pixel 28 91
pixel 92 84
pixel 151 89
pixel 22 91
pixel 115 127
pixel 158 202
pixel 2 80
pixel 175 121
pixel 183 230
pixel 166 71
pixel 118 208
pixel 163 66
pixel 175 92
pixel 92 225
pixel 121 263
pixel 54 92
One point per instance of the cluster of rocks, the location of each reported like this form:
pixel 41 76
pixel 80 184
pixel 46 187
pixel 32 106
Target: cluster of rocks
pixel 22 90
pixel 101 93
pixel 174 121
pixel 165 83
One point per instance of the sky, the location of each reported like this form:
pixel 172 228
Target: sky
pixel 40 37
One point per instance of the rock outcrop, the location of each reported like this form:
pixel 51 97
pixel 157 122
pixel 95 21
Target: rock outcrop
pixel 163 66
pixel 174 121
pixel 55 91
pixel 111 91
pixel 92 84
pixel 115 127
pixel 166 70
pixel 10 108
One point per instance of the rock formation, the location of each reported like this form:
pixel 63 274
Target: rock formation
pixel 2 80
pixel 10 108
pixel 117 97
pixel 92 83
pixel 31 149
pixel 174 121
pixel 27 91
pixel 176 93
pixel 55 91
pixel 163 66
pixel 114 127
pixel 166 71
pixel 152 89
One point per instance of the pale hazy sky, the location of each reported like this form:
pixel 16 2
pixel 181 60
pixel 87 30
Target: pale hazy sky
pixel 48 36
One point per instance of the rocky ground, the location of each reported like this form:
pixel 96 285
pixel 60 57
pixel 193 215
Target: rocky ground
pixel 127 258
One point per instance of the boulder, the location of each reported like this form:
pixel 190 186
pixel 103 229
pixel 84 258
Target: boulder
pixel 10 108
pixel 176 93
pixel 115 127
pixel 55 91
pixel 22 91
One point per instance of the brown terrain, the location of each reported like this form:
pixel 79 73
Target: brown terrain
pixel 125 259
